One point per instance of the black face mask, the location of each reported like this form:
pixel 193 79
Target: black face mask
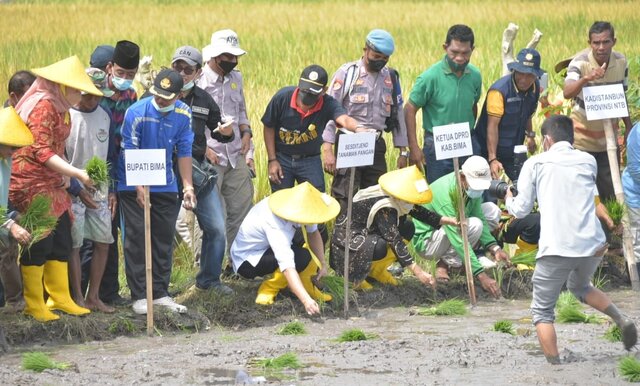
pixel 308 99
pixel 376 65
pixel 227 66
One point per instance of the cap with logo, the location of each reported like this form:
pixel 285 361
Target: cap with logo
pixel 313 79
pixel 126 55
pixel 528 62
pixel 477 173
pixel 223 42
pixel 381 41
pixel 69 72
pixel 188 54
pixel 167 84
pixel 101 56
pixel 99 79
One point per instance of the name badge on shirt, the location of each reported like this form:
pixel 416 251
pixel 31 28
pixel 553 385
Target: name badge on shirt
pixel 200 110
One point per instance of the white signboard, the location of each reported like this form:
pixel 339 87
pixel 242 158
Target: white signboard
pixel 145 167
pixel 356 150
pixel 604 102
pixel 452 140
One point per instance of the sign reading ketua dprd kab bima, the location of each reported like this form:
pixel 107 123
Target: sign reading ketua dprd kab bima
pixel 452 140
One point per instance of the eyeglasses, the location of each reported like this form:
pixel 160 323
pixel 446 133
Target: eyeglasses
pixel 187 70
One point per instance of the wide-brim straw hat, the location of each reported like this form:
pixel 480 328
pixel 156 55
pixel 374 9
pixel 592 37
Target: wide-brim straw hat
pixel 304 204
pixel 406 184
pixel 69 72
pixel 13 131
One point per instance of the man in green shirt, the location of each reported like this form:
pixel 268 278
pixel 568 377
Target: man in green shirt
pixel 445 243
pixel 447 92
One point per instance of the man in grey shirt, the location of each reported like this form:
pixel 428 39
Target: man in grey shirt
pixel 572 242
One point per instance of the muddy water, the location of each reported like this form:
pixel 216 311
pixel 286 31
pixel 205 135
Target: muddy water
pixel 409 350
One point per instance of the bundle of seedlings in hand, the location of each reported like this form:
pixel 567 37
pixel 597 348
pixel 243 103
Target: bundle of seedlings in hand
pixel 445 308
pixel 616 210
pixel 504 326
pixel 629 368
pixel 334 286
pixel 38 219
pixel 525 258
pixel 98 171
pixel 285 361
pixel 354 335
pixel 39 361
pixel 613 334
pixel 293 328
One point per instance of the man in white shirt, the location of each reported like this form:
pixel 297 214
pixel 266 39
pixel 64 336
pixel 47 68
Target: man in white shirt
pixel 572 242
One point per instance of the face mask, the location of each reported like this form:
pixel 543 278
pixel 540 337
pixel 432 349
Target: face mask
pixel 121 83
pixel 545 145
pixel 167 109
pixel 376 65
pixel 226 66
pixel 472 193
pixel 188 86
pixel 455 67
pixel 309 99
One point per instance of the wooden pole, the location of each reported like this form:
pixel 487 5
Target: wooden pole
pixel 147 259
pixel 627 238
pixel 347 242
pixel 464 231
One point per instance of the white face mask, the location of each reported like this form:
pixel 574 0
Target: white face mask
pixel 472 193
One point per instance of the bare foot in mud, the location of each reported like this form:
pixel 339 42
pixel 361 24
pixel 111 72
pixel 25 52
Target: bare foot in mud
pixel 442 275
pixel 98 305
pixel 80 301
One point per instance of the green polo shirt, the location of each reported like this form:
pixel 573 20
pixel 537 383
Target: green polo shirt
pixel 445 98
pixel 441 204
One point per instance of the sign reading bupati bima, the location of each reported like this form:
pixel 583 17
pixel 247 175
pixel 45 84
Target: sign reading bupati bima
pixel 145 167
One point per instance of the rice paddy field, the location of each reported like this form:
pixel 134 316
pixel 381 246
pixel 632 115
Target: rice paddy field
pixel 282 37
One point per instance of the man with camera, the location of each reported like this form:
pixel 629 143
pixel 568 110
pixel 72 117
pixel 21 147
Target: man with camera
pixel 572 243
pixel 506 115
pixel 445 243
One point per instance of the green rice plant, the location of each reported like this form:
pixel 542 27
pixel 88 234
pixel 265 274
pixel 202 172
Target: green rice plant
pixel 566 298
pixel 38 361
pixel 98 170
pixel 573 314
pixel 293 328
pixel 615 209
pixel 38 219
pixel 525 258
pixel 445 308
pixel 455 201
pixel 284 361
pixel 334 285
pixel 629 368
pixel 354 335
pixel 504 326
pixel 600 279
pixel 613 334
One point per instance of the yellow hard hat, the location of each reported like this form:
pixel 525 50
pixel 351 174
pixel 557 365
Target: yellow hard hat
pixel 304 204
pixel 406 184
pixel 13 131
pixel 69 72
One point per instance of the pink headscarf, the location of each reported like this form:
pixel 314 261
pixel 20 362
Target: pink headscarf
pixel 42 89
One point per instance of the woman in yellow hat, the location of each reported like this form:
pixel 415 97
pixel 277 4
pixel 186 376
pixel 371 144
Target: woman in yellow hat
pixel 379 228
pixel 264 244
pixel 40 169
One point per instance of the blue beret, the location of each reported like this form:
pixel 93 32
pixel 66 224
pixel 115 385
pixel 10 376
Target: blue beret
pixel 381 41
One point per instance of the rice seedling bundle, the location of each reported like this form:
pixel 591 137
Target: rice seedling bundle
pixel 629 368
pixel 293 328
pixel 284 361
pixel 445 308
pixel 613 334
pixel 38 219
pixel 98 170
pixel 616 210
pixel 504 326
pixel 38 361
pixel 354 335
pixel 526 258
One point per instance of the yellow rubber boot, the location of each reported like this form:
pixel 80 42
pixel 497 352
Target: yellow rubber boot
pixel 379 269
pixel 33 293
pixel 524 247
pixel 363 286
pixel 270 287
pixel 56 283
pixel 312 290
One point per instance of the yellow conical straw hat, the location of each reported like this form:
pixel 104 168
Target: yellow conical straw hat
pixel 304 204
pixel 13 131
pixel 406 184
pixel 69 72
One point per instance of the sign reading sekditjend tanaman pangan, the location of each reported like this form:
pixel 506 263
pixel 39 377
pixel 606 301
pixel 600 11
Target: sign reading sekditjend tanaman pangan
pixel 605 102
pixel 145 167
pixel 452 140
pixel 356 150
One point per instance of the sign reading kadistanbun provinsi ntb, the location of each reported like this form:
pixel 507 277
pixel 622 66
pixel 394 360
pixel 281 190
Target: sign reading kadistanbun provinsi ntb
pixel 145 167
pixel 452 140
pixel 605 102
pixel 356 150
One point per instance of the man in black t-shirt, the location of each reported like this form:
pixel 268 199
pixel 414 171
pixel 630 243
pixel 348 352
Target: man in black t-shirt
pixel 293 121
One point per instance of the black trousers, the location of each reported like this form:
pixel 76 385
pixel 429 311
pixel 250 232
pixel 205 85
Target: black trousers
pixel 603 180
pixel 56 246
pixel 527 228
pixel 164 212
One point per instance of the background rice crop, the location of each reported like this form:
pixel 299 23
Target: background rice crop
pixel 282 37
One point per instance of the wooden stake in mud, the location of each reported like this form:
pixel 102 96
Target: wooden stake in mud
pixel 464 231
pixel 147 259
pixel 347 242
pixel 627 238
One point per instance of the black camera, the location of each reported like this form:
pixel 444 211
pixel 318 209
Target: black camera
pixel 498 188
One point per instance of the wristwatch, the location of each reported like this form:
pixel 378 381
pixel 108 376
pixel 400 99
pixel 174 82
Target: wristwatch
pixel 404 153
pixel 530 134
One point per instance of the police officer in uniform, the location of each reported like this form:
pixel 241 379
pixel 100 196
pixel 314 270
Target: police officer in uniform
pixel 370 92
